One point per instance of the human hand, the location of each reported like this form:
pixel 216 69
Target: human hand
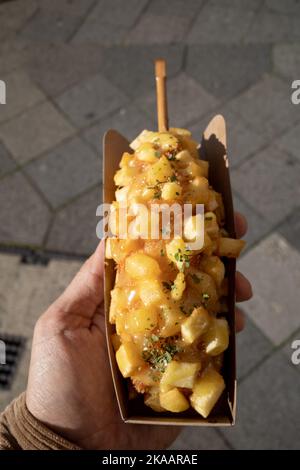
pixel 70 387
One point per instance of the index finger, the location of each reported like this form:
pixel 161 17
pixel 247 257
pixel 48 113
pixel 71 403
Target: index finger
pixel 241 225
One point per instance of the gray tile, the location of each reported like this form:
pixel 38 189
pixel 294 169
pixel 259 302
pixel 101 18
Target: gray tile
pixel 21 93
pixel 258 226
pixel 290 229
pixel 289 142
pixel 187 100
pixel 6 162
pixel 267 106
pixel 109 21
pixel 153 29
pixel 252 348
pixel 67 235
pixel 273 267
pixel 129 121
pixel 291 351
pixel 242 140
pixel 268 415
pixel 226 70
pixel 24 216
pixel 12 17
pixel 55 20
pixel 14 53
pixel 245 5
pixel 66 171
pixel 57 67
pixel 131 68
pixel 219 24
pixel 268 182
pixel 286 59
pixel 162 24
pixel 199 439
pixel 291 7
pixel 272 28
pixel 35 131
pixel 90 100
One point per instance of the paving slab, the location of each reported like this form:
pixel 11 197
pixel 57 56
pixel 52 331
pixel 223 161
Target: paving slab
pixel 14 53
pixel 242 140
pixel 21 94
pixel 7 163
pixel 56 20
pixel 74 168
pixel 258 226
pixel 290 229
pixel 268 414
pixel 291 350
pixel 13 16
pixel 267 106
pixel 289 141
pixel 220 23
pixel 199 439
pixel 74 227
pixel 161 24
pixel 290 7
pixel 35 131
pixel 273 267
pixel 187 101
pixel 252 348
pixel 131 68
pixel 270 27
pixel 26 291
pixel 268 182
pixel 90 100
pixel 208 64
pixel 129 121
pixel 286 59
pixel 24 216
pixel 109 21
pixel 57 67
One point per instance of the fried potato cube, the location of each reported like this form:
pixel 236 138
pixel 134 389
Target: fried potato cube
pixel 116 341
pixel 178 287
pixel 144 136
pixel 128 359
pixel 177 252
pixel 160 171
pixel 170 320
pixel 150 291
pixel 174 401
pixel 216 339
pixel 198 190
pixel 139 266
pixel 117 304
pixel 123 177
pixel 146 152
pixel 207 391
pixel 179 374
pixel 195 325
pixel 213 266
pixel 230 247
pixel 141 320
pixel 171 190
pixel 152 400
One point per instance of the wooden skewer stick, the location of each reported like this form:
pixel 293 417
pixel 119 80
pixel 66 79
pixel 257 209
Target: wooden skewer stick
pixel 161 95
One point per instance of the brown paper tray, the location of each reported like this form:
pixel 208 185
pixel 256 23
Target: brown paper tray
pixel 213 149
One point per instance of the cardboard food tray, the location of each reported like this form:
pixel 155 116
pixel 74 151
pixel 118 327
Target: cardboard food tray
pixel 213 149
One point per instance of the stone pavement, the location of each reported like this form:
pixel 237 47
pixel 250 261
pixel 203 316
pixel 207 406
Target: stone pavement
pixel 75 68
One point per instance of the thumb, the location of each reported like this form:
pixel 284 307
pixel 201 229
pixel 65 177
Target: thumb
pixel 85 292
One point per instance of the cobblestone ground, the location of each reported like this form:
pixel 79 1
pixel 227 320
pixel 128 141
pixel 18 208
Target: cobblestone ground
pixel 75 68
